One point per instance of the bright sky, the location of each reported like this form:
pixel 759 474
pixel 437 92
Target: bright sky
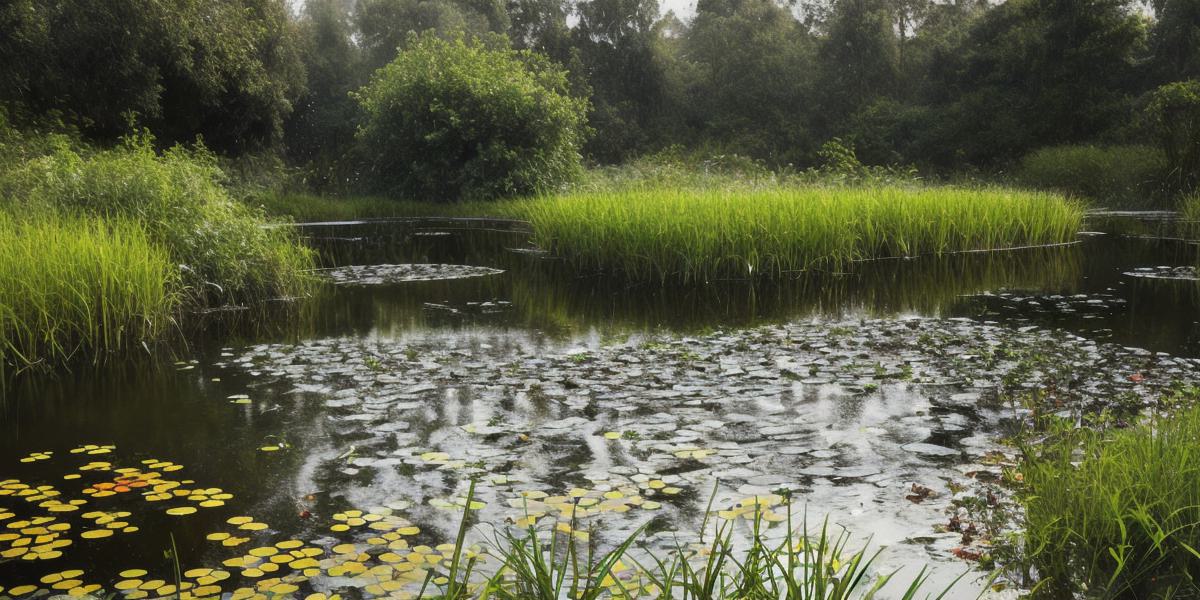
pixel 684 9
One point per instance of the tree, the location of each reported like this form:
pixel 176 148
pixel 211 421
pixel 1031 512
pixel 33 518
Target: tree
pixel 384 26
pixel 1033 73
pixel 1175 39
pixel 320 132
pixel 859 56
pixel 750 92
pixel 1174 117
pixel 449 120
pixel 625 59
pixel 223 69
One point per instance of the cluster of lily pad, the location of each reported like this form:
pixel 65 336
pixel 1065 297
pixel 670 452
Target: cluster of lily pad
pixel 841 415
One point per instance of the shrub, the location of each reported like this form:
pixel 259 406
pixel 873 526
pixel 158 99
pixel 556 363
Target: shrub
pixel 1131 176
pixel 222 249
pixel 74 285
pixel 452 120
pixel 1117 513
pixel 1174 116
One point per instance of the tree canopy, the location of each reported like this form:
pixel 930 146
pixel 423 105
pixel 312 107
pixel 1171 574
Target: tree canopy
pixel 938 83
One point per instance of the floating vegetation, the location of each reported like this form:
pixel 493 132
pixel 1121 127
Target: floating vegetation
pixel 380 554
pixel 390 274
pixel 852 418
pixel 1187 273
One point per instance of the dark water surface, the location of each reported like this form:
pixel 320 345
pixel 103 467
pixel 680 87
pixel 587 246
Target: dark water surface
pixel 843 388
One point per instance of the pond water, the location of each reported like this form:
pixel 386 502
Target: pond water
pixel 330 450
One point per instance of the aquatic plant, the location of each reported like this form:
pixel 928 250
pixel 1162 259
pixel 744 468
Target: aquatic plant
pixel 550 565
pixel 70 285
pixel 223 252
pixel 1116 513
pixel 1189 215
pixel 705 235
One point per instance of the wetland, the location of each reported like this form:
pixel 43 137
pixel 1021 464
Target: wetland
pixel 333 450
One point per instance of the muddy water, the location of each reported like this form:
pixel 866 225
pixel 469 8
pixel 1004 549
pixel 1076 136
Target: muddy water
pixel 602 406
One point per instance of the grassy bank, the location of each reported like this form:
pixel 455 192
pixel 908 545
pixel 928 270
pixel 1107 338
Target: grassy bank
pixel 70 285
pixel 697 236
pixel 101 247
pixel 1117 513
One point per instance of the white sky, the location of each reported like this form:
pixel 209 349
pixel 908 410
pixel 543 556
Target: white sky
pixel 684 9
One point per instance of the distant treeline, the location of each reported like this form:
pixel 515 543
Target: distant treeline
pixel 948 84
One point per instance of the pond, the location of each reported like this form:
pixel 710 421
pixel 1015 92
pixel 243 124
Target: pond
pixel 330 450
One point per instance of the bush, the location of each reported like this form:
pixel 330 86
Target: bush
pixel 1117 513
pixel 1126 176
pixel 220 245
pixel 1174 116
pixel 72 285
pixel 450 120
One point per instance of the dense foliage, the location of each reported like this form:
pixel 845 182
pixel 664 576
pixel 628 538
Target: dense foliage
pixel 1174 114
pixel 226 70
pixel 944 86
pixel 455 119
pixel 1133 175
pixel 222 252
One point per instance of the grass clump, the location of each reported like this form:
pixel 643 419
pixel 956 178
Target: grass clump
pixel 71 285
pixel 101 248
pixel 1116 514
pixel 563 562
pixel 223 252
pixel 1114 176
pixel 704 235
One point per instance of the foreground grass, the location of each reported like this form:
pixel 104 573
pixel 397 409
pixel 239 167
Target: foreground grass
pixel 1116 514
pixel 69 285
pixel 563 563
pixel 699 236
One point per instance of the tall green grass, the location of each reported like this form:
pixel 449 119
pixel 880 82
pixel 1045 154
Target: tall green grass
pixel 704 235
pixel 101 248
pixel 223 252
pixel 1189 215
pixel 1112 176
pixel 69 286
pixel 1116 514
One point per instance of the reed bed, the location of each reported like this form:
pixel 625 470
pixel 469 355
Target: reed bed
pixel 696 236
pixel 73 285
pixel 177 197
pixel 1116 514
